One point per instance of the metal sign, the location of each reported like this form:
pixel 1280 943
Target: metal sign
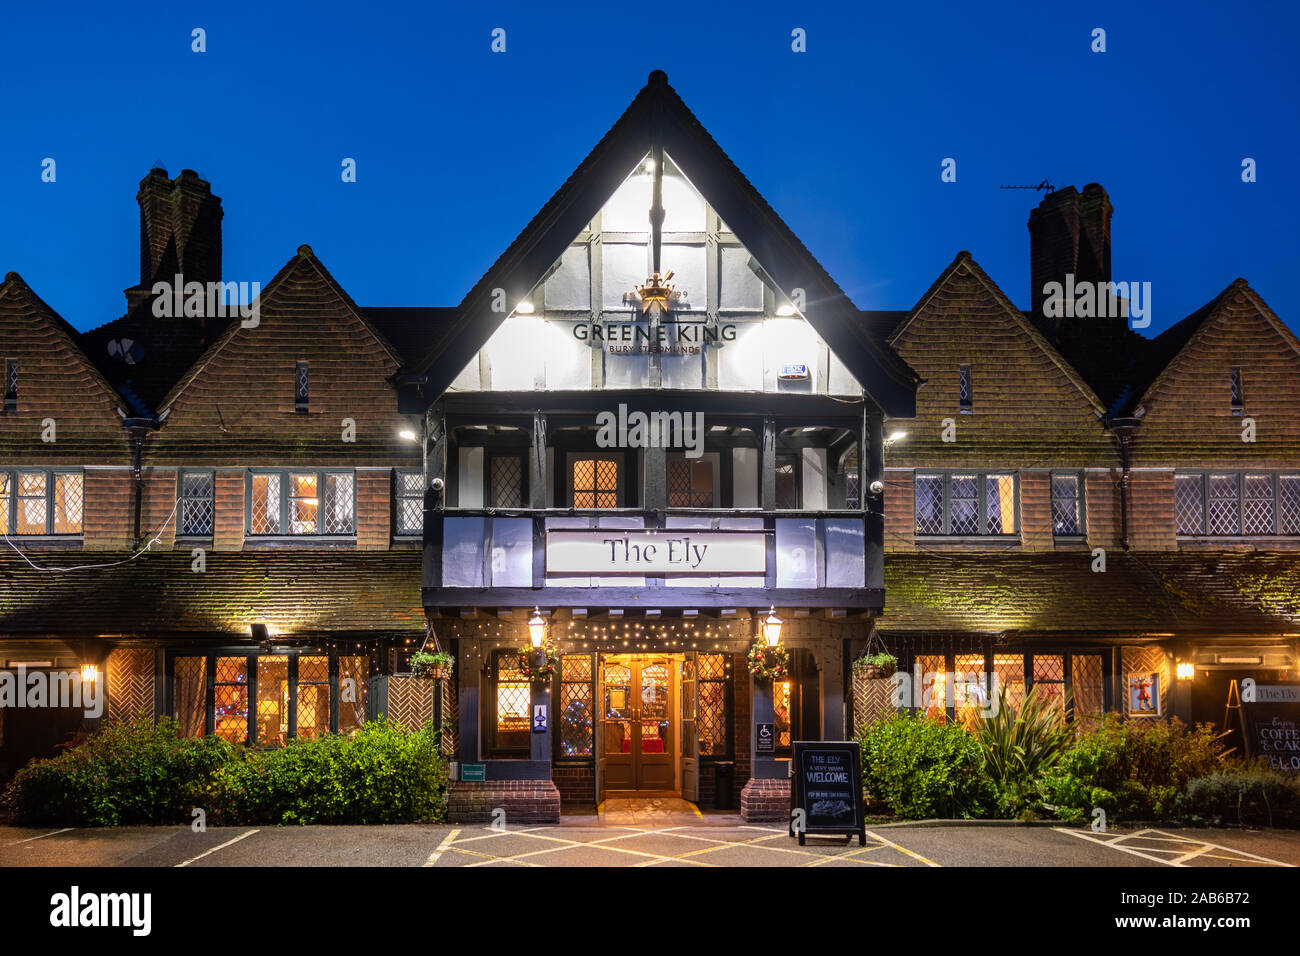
pixel 765 738
pixel 473 772
pixel 656 552
pixel 540 724
pixel 826 789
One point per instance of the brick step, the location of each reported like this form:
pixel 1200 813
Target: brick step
pixel 524 801
pixel 765 801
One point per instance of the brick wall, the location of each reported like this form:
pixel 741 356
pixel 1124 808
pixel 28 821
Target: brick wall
pixel 228 496
pixel 1036 510
pixel 1151 511
pixel 900 511
pixel 109 501
pixel 374 509
pixel 1101 504
pixel 577 785
pixel 157 504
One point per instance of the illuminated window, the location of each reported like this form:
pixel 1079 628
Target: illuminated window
pixel 713 720
pixel 272 700
pixel 965 505
pixel 40 502
pixel 230 699
pixel 302 503
pixel 576 702
pixel 313 695
pixel 512 701
pixel 690 482
pixel 595 483
pixel 781 705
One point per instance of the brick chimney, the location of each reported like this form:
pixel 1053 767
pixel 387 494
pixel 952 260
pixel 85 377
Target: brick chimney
pixel 180 232
pixel 1069 233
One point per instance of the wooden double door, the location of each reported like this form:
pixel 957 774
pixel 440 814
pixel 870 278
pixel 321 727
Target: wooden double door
pixel 640 724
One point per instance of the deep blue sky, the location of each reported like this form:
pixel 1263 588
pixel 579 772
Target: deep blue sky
pixel 458 147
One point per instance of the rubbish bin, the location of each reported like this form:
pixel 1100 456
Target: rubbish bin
pixel 724 784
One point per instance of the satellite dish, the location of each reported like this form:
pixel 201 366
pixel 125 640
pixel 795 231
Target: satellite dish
pixel 127 350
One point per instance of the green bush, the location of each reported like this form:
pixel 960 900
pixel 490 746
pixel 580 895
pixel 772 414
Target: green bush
pixel 1132 769
pixel 136 772
pixel 1250 796
pixel 142 773
pixel 922 769
pixel 380 774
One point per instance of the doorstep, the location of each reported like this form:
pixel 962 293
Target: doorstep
pixel 523 801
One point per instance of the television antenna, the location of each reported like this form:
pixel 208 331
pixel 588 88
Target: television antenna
pixel 1044 186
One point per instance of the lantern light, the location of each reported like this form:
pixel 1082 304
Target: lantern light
pixel 1186 670
pixel 89 673
pixel 537 628
pixel 772 628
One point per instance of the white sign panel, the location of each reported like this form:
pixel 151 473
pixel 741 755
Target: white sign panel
pixel 655 552
pixel 1277 693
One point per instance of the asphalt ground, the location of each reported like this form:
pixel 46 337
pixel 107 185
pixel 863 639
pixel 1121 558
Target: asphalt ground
pixel 687 844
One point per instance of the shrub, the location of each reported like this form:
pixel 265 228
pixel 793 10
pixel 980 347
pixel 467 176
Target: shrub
pixel 136 772
pixel 1250 796
pixel 1018 745
pixel 923 768
pixel 1132 769
pixel 380 774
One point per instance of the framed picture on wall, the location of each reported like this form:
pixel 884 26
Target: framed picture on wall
pixel 1144 694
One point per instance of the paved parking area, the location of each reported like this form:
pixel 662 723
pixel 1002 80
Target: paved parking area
pixel 698 843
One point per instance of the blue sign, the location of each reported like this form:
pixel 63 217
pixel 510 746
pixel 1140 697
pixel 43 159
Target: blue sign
pixel 539 719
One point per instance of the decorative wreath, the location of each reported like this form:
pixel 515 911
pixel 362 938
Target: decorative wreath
pixel 546 670
pixel 768 663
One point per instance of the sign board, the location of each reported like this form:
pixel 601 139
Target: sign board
pixel 1273 726
pixel 765 738
pixel 827 788
pixel 540 725
pixel 793 373
pixel 656 552
pixel 473 772
pixel 1144 694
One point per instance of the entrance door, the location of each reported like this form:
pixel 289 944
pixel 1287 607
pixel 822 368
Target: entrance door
pixel 637 722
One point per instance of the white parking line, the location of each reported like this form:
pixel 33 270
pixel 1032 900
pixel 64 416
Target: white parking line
pixel 40 837
pixel 442 847
pixel 216 848
pixel 1195 847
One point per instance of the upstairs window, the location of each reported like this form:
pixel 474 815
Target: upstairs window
pixel 595 483
pixel 787 482
pixel 1067 514
pixel 11 385
pixel 40 502
pixel 965 505
pixel 1238 396
pixel 506 481
pixel 197 508
pixel 408 502
pixel 302 389
pixel 690 482
pixel 1231 504
pixel 965 394
pixel 301 503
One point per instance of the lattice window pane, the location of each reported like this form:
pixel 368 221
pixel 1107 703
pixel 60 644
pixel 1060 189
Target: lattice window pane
pixel 11 378
pixel 339 511
pixel 711 718
pixel 595 483
pixel 231 698
pixel 1257 505
pixel 1086 688
pixel 410 502
pixel 1288 504
pixel 1049 679
pixel 1001 502
pixel 965 393
pixel 30 517
pixel 711 666
pixel 189 695
pixel 1224 505
pixel 264 511
pixel 929 504
pixel 272 700
pixel 969 688
pixel 354 692
pixel 1009 669
pixel 679 483
pixel 507 482
pixel 197 512
pixel 781 713
pixel 5 487
pixel 67 504
pixel 1065 506
pixel 963 507
pixel 304 504
pixel 1188 504
pixel 513 721
pixel 931 686
pixel 313 695
pixel 577 702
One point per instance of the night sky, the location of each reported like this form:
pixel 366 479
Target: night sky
pixel 458 147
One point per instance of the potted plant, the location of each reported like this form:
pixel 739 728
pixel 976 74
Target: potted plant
pixel 876 666
pixel 432 665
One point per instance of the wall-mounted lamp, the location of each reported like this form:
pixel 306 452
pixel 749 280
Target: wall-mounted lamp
pixel 785 311
pixel 89 673
pixel 895 436
pixel 1186 670
pixel 524 308
pixel 408 434
pixel 537 628
pixel 772 628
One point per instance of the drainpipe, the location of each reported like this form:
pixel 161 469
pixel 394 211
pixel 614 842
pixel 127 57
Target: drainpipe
pixel 138 429
pixel 1124 429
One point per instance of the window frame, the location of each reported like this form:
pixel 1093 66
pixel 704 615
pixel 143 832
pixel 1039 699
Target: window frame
pixel 301 387
pixel 558 756
pixel 399 496
pixel 181 498
pixel 322 483
pixel 981 501
pixel 11 386
pixel 621 462
pixel 1237 390
pixel 966 380
pixel 490 456
pixel 1080 504
pixel 493 748
pixel 1202 477
pixel 11 510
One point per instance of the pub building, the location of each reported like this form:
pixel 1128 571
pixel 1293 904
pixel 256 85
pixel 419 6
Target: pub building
pixel 653 436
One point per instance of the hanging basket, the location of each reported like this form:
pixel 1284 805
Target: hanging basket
pixel 880 666
pixel 432 666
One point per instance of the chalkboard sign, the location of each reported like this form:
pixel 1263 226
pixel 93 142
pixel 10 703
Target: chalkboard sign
pixel 1273 730
pixel 827 789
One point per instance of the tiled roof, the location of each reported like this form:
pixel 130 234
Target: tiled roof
pixel 1222 594
pixel 159 595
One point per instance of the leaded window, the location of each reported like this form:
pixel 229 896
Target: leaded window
pixel 11 385
pixel 1238 394
pixel 595 483
pixel 197 508
pixel 511 706
pixel 40 502
pixel 302 503
pixel 787 482
pixel 506 489
pixel 690 482
pixel 1067 515
pixel 782 710
pixel 712 716
pixel 408 502
pixel 852 482
pixel 267 698
pixel 963 505
pixel 965 391
pixel 302 387
pixel 576 706
pixel 1232 504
